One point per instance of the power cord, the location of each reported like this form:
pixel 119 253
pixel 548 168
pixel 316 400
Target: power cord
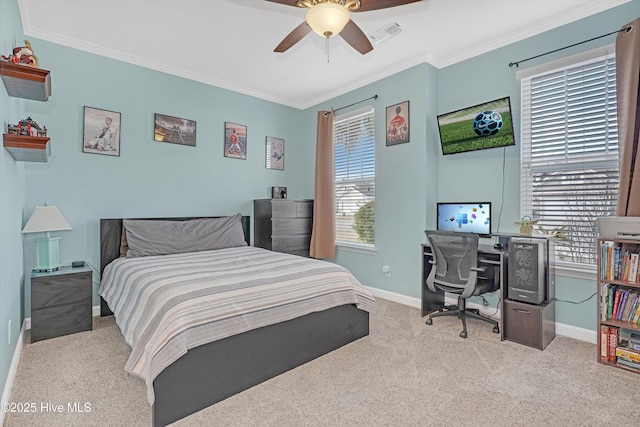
pixel 576 302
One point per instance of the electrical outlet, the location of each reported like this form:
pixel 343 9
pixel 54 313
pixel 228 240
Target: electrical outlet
pixel 9 332
pixel 386 270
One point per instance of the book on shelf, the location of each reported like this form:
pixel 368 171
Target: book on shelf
pixel 604 343
pixel 634 344
pixel 610 297
pixel 612 345
pixel 632 306
pixel 633 268
pixel 628 354
pixel 628 364
pixel 627 301
pixel 618 264
pixel 616 303
pixel 623 301
pixel 604 294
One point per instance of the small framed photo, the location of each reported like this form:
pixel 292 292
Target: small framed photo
pixel 235 141
pixel 174 130
pixel 278 192
pixel 101 132
pixel 275 153
pixel 398 123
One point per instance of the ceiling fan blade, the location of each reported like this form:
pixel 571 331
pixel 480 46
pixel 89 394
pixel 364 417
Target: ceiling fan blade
pixel 353 35
pixel 287 2
pixel 366 5
pixel 293 37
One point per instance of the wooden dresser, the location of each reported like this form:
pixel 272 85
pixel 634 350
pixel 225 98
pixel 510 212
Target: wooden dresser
pixel 283 225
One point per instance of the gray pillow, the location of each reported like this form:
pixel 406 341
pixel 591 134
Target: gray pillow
pixel 163 237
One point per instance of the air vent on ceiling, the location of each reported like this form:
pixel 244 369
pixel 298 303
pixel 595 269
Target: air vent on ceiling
pixel 384 33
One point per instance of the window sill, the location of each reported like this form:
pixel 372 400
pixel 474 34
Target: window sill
pixel 585 272
pixel 355 247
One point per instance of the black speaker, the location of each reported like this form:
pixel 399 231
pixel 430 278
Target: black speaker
pixel 527 271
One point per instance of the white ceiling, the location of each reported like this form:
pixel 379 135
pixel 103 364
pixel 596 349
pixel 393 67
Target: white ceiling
pixel 229 43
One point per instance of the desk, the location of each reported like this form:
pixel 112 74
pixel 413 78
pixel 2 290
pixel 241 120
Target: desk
pixel 528 324
pixel 487 255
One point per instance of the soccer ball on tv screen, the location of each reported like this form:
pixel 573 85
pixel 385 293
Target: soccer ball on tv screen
pixel 487 123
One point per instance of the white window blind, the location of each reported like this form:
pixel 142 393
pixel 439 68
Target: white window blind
pixel 570 172
pixel 355 172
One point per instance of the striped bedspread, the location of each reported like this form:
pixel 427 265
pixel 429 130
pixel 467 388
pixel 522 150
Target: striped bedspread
pixel 165 305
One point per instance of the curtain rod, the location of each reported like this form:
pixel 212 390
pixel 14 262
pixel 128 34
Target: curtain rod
pixel 351 105
pixel 517 63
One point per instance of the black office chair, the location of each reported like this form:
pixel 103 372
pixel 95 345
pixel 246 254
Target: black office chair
pixel 455 270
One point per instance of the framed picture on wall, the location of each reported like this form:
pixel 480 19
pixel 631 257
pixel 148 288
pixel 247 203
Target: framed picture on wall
pixel 101 132
pixel 275 153
pixel 398 123
pixel 235 141
pixel 174 130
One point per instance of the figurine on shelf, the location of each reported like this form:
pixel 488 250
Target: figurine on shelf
pixel 22 55
pixel 27 127
pixel 526 225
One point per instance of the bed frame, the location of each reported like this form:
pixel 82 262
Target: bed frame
pixel 215 371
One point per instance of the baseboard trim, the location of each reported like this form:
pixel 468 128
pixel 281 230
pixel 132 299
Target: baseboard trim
pixel 562 329
pixel 13 370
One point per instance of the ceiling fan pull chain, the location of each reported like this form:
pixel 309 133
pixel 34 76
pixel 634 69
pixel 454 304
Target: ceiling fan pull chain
pixel 326 48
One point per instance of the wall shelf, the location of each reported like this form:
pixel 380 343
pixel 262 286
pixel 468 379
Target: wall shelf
pixel 27 148
pixel 24 81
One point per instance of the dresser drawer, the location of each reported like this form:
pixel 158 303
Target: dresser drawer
pixel 284 209
pixel 532 325
pixel 299 242
pixel 304 209
pixel 61 320
pixel 64 289
pixel 286 226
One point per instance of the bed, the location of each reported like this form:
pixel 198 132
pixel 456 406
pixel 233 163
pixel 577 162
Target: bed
pixel 246 350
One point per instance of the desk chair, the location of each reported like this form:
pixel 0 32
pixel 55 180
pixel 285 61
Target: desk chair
pixel 455 270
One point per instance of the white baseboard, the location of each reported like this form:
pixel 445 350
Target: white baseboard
pixel 562 329
pixel 580 334
pixel 13 369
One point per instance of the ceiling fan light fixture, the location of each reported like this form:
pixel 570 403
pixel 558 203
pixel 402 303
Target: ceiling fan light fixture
pixel 327 19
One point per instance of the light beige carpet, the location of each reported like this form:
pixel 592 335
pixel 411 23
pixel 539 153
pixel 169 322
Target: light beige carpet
pixel 404 374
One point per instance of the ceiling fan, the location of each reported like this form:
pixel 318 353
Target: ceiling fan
pixel 328 18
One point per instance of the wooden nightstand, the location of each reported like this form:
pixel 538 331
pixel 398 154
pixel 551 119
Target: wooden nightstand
pixel 61 302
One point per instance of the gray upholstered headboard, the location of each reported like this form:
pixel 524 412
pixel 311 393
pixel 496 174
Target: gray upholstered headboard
pixel 111 235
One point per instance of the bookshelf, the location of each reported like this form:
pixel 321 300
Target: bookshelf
pixel 619 303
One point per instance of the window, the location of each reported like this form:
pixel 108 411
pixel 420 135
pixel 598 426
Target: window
pixel 355 173
pixel 570 171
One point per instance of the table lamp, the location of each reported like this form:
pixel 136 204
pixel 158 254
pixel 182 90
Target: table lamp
pixel 44 220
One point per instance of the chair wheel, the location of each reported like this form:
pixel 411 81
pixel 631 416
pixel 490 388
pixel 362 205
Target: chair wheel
pixel 463 334
pixel 496 329
pixel 429 322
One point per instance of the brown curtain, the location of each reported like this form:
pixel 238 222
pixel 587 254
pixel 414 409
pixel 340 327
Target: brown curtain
pixel 627 76
pixel 323 235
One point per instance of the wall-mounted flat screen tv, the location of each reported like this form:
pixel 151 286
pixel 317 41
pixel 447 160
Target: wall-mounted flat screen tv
pixel 465 217
pixel 482 126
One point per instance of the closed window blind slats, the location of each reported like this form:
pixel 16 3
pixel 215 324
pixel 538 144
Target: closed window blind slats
pixel 570 173
pixel 354 141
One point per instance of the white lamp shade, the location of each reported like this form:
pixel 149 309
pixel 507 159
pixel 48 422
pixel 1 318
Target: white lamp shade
pixel 44 219
pixel 327 19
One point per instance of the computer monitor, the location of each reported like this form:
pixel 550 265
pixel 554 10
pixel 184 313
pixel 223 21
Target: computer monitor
pixel 465 217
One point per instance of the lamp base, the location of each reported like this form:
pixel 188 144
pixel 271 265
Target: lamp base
pixel 48 255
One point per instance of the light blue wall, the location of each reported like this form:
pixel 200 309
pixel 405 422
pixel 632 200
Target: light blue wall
pixel 158 179
pixel 405 174
pixel 149 178
pixel 12 195
pixel 412 177
pixel 480 175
